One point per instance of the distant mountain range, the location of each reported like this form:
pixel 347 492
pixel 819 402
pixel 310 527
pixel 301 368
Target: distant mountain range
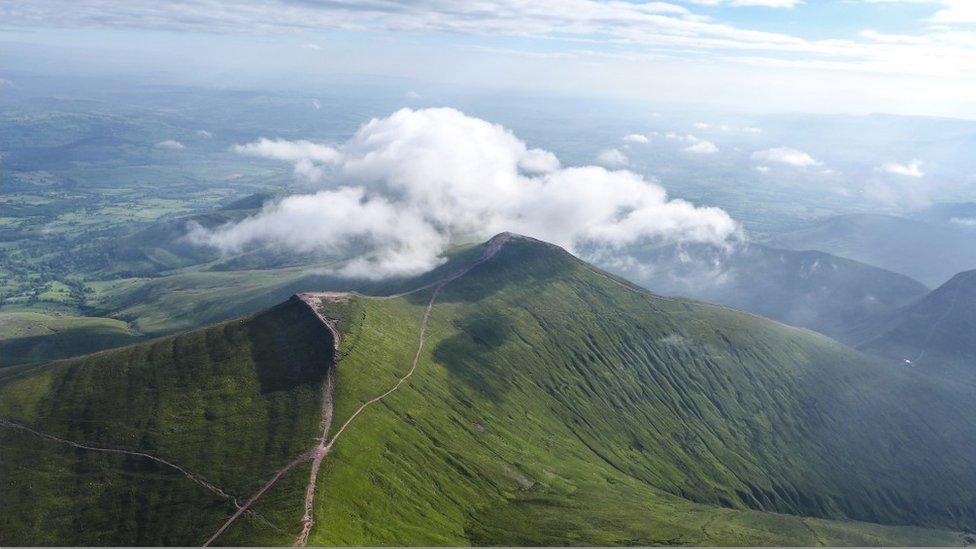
pixel 931 251
pixel 937 334
pixel 517 396
pixel 832 295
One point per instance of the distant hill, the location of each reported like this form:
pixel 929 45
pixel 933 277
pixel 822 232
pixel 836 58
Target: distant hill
pixel 958 214
pixel 832 295
pixel 928 252
pixel 519 397
pixel 162 246
pixel 938 334
pixel 35 337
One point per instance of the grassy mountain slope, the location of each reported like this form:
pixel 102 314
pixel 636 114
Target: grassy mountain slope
pixel 816 290
pixel 554 404
pixel 930 253
pixel 938 333
pixel 231 402
pixel 35 337
pixel 551 404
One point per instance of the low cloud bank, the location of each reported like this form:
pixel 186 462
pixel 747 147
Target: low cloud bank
pixel 403 187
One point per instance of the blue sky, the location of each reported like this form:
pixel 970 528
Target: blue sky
pixel 906 56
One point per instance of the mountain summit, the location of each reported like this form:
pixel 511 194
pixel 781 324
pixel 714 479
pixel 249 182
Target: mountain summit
pixel 937 334
pixel 517 396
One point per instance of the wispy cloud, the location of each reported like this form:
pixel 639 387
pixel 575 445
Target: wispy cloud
pixel 636 138
pixel 702 147
pixel 749 3
pixel 170 144
pixel 785 155
pixel 612 158
pixel 621 28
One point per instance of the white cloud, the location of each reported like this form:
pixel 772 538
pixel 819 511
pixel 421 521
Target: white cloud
pixel 636 138
pixel 314 47
pixel 912 169
pixel 170 144
pixel 204 134
pixel 762 169
pixel 955 12
pixel 727 128
pixel 749 3
pixel 612 158
pixel 697 146
pixel 702 147
pixel 316 104
pixel 309 158
pixel 785 155
pixel 662 26
pixel 418 179
pixel 963 221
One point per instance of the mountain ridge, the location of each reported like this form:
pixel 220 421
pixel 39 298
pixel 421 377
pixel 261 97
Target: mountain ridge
pixel 832 295
pixel 541 393
pixel 936 333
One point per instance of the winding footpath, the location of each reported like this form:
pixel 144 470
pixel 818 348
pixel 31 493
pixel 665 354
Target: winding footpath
pixel 188 474
pixel 324 444
pixel 322 449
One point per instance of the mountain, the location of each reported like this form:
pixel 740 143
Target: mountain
pixel 832 295
pixel 938 334
pixel 928 252
pixel 517 396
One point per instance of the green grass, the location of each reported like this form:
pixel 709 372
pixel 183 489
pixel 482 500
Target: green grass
pixel 553 404
pixel 232 402
pixel 36 337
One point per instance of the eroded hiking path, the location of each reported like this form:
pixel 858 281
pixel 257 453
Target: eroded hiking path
pixel 188 474
pixel 320 450
pixel 324 444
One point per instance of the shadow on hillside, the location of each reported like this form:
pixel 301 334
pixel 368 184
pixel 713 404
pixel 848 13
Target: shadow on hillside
pixel 289 347
pixel 469 355
pixel 62 344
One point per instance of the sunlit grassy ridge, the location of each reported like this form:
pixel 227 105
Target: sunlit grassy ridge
pixel 553 404
pixel 557 405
